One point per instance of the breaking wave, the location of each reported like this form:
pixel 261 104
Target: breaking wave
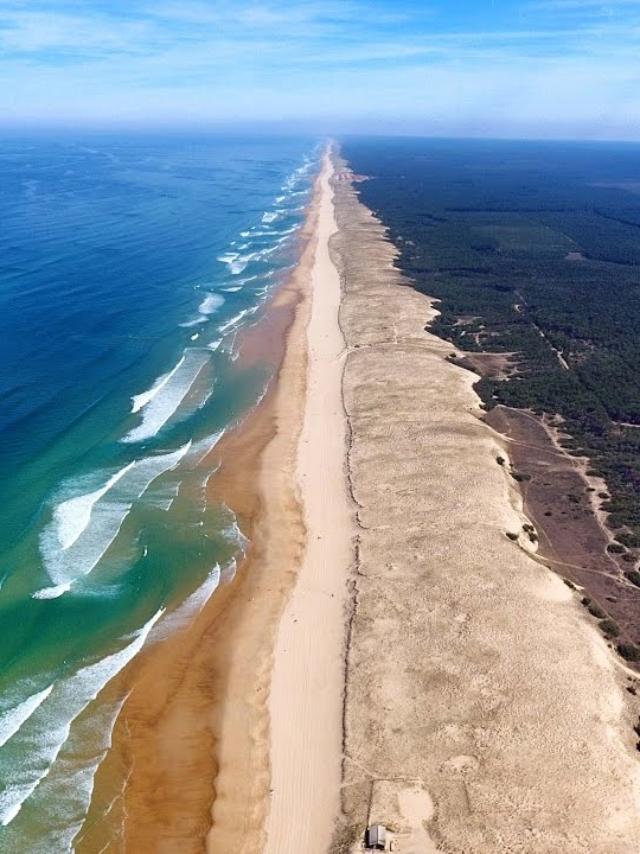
pixel 211 303
pixel 138 401
pixel 49 726
pixel 12 719
pixel 162 406
pixel 99 529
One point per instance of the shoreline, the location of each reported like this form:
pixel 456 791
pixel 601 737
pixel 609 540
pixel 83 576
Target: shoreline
pixel 191 740
pixel 241 802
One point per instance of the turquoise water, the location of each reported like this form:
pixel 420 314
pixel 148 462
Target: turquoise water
pixel 127 266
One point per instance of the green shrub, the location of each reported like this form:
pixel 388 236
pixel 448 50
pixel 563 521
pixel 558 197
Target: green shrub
pixel 629 651
pixel 631 541
pixel 609 627
pixel 596 611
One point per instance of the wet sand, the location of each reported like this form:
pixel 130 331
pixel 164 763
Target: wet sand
pixel 482 707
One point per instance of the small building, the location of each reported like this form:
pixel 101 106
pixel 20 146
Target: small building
pixel 376 837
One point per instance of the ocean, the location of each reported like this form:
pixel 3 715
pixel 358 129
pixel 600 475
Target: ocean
pixel 128 264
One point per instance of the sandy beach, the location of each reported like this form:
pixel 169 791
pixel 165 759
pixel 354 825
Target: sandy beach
pixel 308 678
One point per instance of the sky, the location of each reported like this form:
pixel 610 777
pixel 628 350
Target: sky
pixel 535 68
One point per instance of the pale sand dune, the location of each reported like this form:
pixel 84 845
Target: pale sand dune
pixel 472 673
pixel 308 678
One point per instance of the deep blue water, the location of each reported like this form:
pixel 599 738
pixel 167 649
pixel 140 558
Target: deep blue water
pixel 126 266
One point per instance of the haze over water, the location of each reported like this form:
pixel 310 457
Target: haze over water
pixel 127 266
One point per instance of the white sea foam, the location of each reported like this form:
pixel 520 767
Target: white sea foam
pixel 228 571
pixel 234 320
pixel 269 216
pixel 240 264
pixel 227 257
pixel 65 566
pixel 266 232
pixel 64 797
pixel 235 261
pixel 207 397
pixel 214 344
pixel 290 230
pixel 72 516
pixel 163 406
pixel 185 613
pixel 12 719
pixel 49 726
pixel 268 250
pixel 140 400
pixel 232 531
pixel 52 592
pixel 291 182
pixel 195 336
pixel 202 447
pixel 162 497
pixel 164 504
pixel 211 303
pixel 233 290
pixel 195 322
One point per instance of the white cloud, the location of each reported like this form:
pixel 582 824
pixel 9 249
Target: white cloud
pixel 320 62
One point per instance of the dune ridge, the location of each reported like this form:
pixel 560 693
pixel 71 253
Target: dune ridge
pixel 480 704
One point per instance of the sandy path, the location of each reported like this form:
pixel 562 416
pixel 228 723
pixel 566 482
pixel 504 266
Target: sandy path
pixel 308 676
